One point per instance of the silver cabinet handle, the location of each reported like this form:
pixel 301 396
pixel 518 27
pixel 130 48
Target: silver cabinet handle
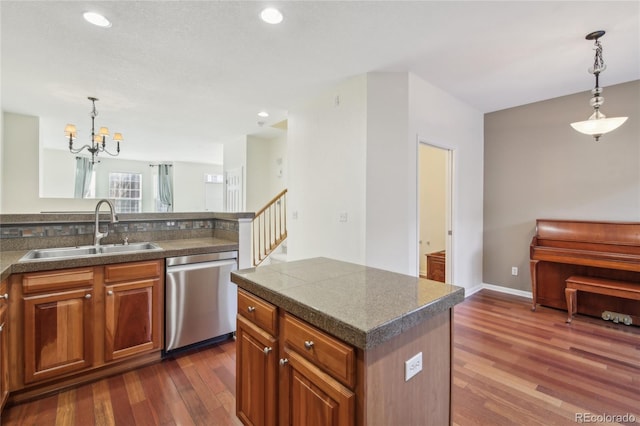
pixel 251 308
pixel 1 327
pixel 266 350
pixel 283 362
pixel 110 292
pixel 87 296
pixel 4 296
pixel 308 344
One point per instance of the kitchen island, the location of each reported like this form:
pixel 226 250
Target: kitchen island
pixel 327 342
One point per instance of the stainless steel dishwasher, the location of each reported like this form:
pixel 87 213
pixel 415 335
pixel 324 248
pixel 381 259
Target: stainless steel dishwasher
pixel 200 299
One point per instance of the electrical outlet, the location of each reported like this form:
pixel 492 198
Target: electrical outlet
pixel 343 217
pixel 514 271
pixel 412 366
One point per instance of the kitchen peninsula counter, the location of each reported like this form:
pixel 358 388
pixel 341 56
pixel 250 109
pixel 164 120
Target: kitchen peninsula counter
pixel 9 260
pixel 360 305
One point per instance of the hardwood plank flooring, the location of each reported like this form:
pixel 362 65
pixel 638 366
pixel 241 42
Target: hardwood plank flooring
pixel 511 367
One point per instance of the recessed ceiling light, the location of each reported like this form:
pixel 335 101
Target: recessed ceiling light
pixel 97 19
pixel 263 114
pixel 271 15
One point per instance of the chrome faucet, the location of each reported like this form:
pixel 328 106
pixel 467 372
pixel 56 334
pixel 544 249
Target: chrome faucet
pixel 97 235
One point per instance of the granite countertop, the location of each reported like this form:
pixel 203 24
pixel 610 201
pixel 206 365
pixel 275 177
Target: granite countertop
pixel 360 305
pixel 9 260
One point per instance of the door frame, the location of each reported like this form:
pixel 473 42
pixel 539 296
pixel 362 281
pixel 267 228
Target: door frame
pixel 449 204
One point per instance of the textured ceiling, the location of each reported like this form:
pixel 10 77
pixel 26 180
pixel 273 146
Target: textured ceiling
pixel 191 74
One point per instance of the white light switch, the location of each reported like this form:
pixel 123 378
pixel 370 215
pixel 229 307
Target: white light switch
pixel 412 366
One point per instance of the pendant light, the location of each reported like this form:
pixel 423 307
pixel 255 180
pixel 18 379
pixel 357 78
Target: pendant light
pixel 598 124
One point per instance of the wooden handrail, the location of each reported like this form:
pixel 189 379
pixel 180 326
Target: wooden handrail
pixel 269 227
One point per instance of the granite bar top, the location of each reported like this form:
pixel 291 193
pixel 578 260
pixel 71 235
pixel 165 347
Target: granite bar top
pixel 360 305
pixel 9 260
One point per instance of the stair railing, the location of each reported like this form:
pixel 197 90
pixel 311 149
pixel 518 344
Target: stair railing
pixel 269 227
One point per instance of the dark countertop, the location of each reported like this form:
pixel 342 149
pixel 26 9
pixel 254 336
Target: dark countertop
pixel 360 305
pixel 9 259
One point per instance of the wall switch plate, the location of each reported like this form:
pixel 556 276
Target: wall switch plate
pixel 343 217
pixel 514 270
pixel 412 366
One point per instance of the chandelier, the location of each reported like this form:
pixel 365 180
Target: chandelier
pixel 98 140
pixel 598 124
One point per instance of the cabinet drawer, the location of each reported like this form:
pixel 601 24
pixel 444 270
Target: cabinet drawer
pixel 57 280
pixel 132 271
pixel 261 313
pixel 328 353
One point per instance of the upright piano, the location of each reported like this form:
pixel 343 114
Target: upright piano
pixel 562 248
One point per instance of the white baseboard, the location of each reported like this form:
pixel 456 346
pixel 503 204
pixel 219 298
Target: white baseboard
pixel 500 289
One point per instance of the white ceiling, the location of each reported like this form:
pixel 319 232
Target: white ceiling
pixel 192 74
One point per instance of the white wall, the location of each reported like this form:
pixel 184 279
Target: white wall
pixel 389 182
pixel 20 176
pixel 360 157
pixel 266 161
pixel 327 166
pixel 189 187
pixel 439 118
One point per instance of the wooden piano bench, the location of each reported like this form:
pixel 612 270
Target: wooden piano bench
pixel 604 286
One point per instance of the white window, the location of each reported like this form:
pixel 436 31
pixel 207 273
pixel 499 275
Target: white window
pixel 126 189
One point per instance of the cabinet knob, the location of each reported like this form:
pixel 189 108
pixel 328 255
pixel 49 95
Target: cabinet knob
pixel 308 344
pixel 251 308
pixel 4 296
pixel 283 362
pixel 266 350
pixel 87 296
pixel 110 292
pixel 1 327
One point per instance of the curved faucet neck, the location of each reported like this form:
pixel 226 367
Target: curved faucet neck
pixel 97 235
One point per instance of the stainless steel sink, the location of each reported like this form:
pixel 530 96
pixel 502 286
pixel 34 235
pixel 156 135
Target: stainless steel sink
pixel 87 251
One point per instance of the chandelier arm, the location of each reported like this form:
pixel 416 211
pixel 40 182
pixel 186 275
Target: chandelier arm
pixel 77 150
pixel 111 154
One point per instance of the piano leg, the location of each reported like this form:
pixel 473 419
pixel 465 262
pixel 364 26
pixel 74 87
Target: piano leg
pixel 534 284
pixel 572 303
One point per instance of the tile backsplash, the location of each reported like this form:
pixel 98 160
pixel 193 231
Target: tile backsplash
pixel 29 234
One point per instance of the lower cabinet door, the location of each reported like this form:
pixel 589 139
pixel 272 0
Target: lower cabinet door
pixel 132 318
pixel 256 369
pixel 310 397
pixel 58 335
pixel 4 361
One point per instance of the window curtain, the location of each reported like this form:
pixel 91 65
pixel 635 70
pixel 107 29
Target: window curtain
pixel 84 169
pixel 165 188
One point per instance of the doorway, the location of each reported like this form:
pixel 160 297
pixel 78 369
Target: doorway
pixel 234 196
pixel 435 170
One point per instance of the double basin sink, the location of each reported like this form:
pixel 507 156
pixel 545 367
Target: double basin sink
pixel 87 251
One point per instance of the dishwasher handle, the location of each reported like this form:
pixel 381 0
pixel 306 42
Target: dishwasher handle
pixel 202 265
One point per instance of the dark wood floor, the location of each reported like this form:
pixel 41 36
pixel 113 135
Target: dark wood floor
pixel 511 367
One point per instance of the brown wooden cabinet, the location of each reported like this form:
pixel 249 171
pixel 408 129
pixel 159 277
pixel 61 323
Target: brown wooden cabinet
pixel 73 325
pixel 58 313
pixel 436 266
pixel 308 379
pixel 4 344
pixel 256 362
pixel 308 396
pixel 133 312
